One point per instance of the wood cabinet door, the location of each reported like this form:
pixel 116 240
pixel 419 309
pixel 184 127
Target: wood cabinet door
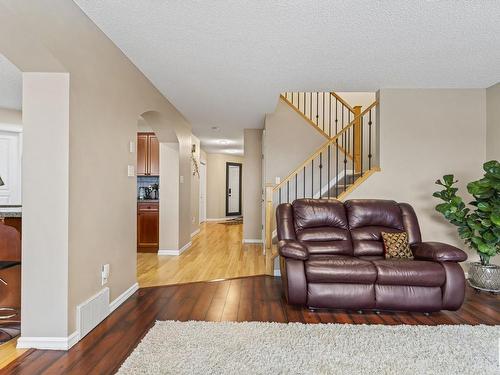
pixel 148 228
pixel 142 155
pixel 154 156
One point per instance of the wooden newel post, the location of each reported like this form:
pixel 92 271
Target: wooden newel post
pixel 357 139
pixel 269 216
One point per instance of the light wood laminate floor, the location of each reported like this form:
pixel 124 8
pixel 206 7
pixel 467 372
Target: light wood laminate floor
pixel 9 352
pixel 217 252
pixel 256 298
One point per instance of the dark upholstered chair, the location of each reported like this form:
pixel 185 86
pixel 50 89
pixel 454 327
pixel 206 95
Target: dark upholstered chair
pixel 332 256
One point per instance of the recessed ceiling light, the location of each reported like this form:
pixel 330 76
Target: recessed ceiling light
pixel 232 151
pixel 223 141
pixel 215 128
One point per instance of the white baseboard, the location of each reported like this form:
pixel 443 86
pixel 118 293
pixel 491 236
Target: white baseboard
pixel 48 343
pixel 219 219
pixel 65 343
pixel 250 240
pixel 123 297
pixel 174 251
pixel 277 273
pixel 195 232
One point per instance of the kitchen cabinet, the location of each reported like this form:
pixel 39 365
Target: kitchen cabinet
pixel 148 155
pixel 148 220
pixel 154 155
pixel 142 154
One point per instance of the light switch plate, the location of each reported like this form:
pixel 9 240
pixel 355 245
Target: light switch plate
pixel 132 147
pixel 181 179
pixel 277 180
pixel 131 172
pixel 104 274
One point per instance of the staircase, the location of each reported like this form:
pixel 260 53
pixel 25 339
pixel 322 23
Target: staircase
pixel 342 163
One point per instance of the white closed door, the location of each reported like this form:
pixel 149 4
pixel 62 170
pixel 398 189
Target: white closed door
pixel 10 167
pixel 233 189
pixel 203 192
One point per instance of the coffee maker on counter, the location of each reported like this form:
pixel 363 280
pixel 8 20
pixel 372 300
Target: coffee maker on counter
pixel 149 192
pixel 153 191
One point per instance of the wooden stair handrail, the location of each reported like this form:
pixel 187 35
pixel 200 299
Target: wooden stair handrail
pixel 342 101
pixel 304 117
pixel 325 145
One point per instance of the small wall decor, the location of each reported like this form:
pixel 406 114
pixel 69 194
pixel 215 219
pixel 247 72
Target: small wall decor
pixel 196 169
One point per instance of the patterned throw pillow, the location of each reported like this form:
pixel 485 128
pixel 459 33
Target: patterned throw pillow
pixel 396 245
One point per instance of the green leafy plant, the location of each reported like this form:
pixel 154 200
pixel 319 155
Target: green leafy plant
pixel 479 225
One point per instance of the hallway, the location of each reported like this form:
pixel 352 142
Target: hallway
pixel 217 253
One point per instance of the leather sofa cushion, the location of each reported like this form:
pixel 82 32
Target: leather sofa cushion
pixel 368 240
pixel 409 272
pixel 323 234
pixel 313 213
pixel 371 257
pixel 326 240
pixel 328 247
pixel 339 269
pixel 341 296
pixel 374 212
pixel 408 298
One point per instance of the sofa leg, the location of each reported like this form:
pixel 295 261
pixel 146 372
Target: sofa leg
pixel 312 309
pixel 427 313
pixel 377 312
pixel 360 311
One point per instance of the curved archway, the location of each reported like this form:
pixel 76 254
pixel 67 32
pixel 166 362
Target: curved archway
pixel 174 182
pixel 164 130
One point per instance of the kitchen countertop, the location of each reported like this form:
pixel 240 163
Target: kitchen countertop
pixel 10 211
pixel 147 200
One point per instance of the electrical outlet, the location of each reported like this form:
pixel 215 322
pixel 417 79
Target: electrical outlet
pixel 130 171
pixel 104 274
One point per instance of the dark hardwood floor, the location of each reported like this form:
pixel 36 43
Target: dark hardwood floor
pixel 255 298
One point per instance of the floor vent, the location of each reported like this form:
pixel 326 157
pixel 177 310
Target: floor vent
pixel 91 312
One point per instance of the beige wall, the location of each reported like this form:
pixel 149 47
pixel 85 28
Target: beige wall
pixel 288 141
pixel 493 122
pixel 195 188
pixel 169 197
pixel 216 183
pixel 493 130
pixel 364 99
pixel 45 207
pixel 10 116
pixel 425 134
pixel 107 96
pixel 252 183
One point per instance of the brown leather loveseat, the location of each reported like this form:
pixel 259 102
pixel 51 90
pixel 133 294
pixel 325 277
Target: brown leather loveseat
pixel 332 256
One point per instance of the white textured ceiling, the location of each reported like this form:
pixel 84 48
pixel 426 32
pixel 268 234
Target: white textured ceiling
pixel 11 85
pixel 223 63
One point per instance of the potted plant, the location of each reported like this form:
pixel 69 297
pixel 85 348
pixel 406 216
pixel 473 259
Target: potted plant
pixel 478 224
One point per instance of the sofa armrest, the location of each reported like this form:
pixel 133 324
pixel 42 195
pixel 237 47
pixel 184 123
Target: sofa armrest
pixel 438 252
pixel 293 249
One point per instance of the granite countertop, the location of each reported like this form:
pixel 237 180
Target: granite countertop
pixel 10 211
pixel 147 200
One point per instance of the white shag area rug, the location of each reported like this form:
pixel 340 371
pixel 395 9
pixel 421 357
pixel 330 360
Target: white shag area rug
pixel 274 348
